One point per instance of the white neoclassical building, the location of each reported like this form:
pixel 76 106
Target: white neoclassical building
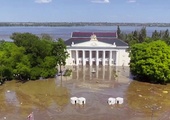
pixel 97 48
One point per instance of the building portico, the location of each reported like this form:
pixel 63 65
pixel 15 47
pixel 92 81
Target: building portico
pixel 87 48
pixel 93 57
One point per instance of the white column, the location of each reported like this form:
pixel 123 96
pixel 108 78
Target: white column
pixel 97 58
pixel 84 60
pixel 90 57
pixel 103 61
pixel 110 58
pixel 117 59
pixel 77 61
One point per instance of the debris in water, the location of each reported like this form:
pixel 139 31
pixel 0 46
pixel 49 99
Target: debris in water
pixel 140 95
pixel 165 91
pixel 8 91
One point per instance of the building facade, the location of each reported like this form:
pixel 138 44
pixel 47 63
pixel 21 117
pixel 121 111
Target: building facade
pixel 96 48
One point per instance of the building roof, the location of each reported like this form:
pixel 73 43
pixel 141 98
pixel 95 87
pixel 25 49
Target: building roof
pixel 105 37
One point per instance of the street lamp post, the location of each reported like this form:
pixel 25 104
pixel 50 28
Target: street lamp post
pixel 93 72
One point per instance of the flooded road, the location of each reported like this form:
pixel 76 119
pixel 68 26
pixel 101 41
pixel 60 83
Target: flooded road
pixel 50 99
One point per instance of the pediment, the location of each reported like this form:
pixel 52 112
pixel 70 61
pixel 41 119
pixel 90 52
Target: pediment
pixel 93 44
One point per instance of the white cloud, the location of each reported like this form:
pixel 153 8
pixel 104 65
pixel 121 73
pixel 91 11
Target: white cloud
pixel 131 1
pixel 43 1
pixel 100 1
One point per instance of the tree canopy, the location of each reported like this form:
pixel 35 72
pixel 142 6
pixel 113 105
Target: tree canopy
pixel 150 61
pixel 31 57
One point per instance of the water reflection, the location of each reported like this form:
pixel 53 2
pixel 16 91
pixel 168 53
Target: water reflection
pixel 11 99
pixel 103 76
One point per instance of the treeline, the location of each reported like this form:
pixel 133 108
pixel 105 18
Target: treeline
pixel 55 24
pixel 141 36
pixel 30 57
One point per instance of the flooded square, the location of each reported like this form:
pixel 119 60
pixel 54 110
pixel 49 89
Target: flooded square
pixel 49 99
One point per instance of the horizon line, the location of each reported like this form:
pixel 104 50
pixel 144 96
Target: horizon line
pixel 90 22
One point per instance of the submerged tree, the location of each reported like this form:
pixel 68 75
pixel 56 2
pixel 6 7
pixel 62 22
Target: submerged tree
pixel 60 52
pixel 31 57
pixel 150 61
pixel 12 60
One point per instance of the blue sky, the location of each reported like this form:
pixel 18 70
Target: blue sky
pixel 140 11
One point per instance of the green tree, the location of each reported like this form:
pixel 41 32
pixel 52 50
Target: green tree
pixel 150 61
pixel 148 40
pixel 166 34
pixel 135 35
pixel 123 36
pixel 155 35
pixel 31 57
pixel 161 33
pixel 131 39
pixel 118 32
pixel 48 67
pixel 165 37
pixel 26 40
pixel 45 36
pixel 60 52
pixel 22 72
pixel 38 52
pixel 142 34
pixel 10 57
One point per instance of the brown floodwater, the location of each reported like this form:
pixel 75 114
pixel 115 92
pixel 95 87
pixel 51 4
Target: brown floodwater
pixel 49 99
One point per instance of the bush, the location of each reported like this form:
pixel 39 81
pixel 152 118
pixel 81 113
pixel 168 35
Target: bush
pixel 68 72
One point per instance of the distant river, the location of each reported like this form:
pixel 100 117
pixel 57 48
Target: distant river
pixel 65 32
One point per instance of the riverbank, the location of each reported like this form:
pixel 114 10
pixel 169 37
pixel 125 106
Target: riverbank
pixel 67 24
